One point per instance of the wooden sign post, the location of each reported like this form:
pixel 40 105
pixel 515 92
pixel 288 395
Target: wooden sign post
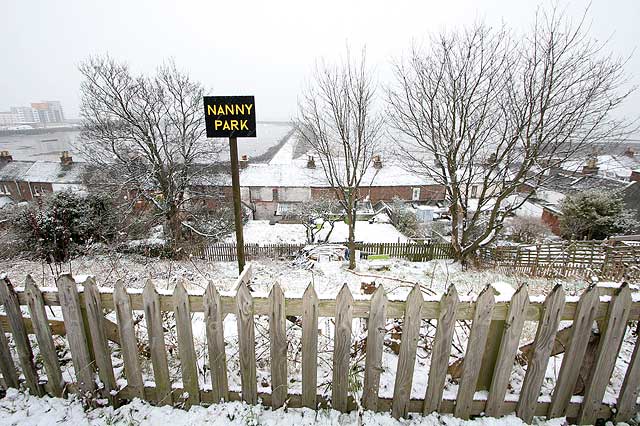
pixel 232 117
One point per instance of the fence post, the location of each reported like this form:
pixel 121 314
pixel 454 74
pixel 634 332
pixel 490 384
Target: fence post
pixel 507 351
pixel 278 347
pixel 309 347
pixel 375 341
pixel 215 343
pixel 20 336
pixel 441 351
pixel 407 355
pixel 74 326
pixel 246 344
pixel 153 318
pixel 543 344
pixel 128 342
pixel 608 349
pixel 473 356
pixel 188 360
pixel 342 349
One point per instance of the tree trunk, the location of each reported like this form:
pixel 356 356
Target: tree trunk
pixel 173 225
pixel 352 240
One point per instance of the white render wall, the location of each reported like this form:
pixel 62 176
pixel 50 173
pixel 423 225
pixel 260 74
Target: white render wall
pixel 289 194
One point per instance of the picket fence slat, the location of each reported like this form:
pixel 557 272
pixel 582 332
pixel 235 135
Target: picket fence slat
pixel 507 352
pixel 44 337
pixel 278 347
pixel 7 366
pixel 475 350
pixel 375 341
pixel 626 405
pixel 309 347
pixel 608 348
pixel 74 326
pixel 157 345
pixel 95 319
pixel 188 358
pixel 128 342
pixel 441 350
pixel 543 344
pixel 407 355
pixel 574 355
pixel 215 343
pixel 342 349
pixel 246 344
pixel 20 336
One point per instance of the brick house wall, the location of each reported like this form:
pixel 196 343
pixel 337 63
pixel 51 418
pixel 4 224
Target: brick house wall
pixel 24 191
pixel 552 219
pixel 388 193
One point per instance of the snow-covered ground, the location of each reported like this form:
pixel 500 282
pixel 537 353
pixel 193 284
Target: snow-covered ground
pixel 19 409
pixel 365 232
pixel 261 232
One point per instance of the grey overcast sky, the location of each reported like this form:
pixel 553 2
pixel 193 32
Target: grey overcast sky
pixel 265 48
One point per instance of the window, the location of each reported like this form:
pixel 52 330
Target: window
pixel 38 190
pixel 474 191
pixel 275 194
pixel 4 189
pixel 415 196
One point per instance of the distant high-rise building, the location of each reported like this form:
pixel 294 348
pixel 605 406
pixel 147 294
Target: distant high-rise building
pixel 25 115
pixel 7 118
pixel 48 111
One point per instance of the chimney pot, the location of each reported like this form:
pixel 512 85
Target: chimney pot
pixel 377 162
pixel 244 161
pixel 311 162
pixel 591 167
pixel 629 152
pixel 66 158
pixel 5 157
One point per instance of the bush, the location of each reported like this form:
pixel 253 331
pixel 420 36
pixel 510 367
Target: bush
pixel 527 230
pixel 594 214
pixel 58 226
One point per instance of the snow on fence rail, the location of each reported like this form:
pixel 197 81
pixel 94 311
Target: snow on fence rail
pixel 86 328
pixel 612 260
pixel 416 252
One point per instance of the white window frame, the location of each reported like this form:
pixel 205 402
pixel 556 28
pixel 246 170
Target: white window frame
pixel 415 194
pixel 474 191
pixel 4 189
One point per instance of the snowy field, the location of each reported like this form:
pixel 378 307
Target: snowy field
pixel 18 409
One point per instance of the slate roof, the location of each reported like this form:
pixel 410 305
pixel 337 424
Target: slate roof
pixel 14 170
pixel 55 172
pixel 569 183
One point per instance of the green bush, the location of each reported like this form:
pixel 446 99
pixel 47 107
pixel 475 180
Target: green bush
pixel 58 226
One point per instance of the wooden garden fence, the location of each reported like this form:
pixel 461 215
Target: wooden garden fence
pixel 84 307
pixel 606 259
pixel 416 252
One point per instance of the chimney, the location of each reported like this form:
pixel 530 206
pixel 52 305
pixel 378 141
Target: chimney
pixel 591 167
pixel 311 162
pixel 244 161
pixel 377 162
pixel 635 176
pixel 65 158
pixel 5 157
pixel 629 152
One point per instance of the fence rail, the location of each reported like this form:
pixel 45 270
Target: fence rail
pixel 88 332
pixel 613 260
pixel 416 252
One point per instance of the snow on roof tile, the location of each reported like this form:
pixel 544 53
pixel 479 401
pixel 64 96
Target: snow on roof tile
pixel 14 170
pixel 296 174
pixel 55 172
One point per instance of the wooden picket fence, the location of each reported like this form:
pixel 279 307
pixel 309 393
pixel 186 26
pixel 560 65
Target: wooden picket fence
pixel 416 252
pixel 88 331
pixel 606 259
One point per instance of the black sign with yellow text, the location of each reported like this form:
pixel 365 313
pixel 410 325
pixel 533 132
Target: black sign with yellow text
pixel 230 116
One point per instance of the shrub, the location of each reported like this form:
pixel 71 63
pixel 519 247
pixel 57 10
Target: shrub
pixel 56 227
pixel 594 214
pixel 527 230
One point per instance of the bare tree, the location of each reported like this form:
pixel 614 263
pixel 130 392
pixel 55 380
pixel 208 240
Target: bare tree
pixel 146 135
pixel 337 119
pixel 487 113
pixel 316 216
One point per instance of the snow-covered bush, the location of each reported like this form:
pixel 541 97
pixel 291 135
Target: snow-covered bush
pixel 595 214
pixel 60 225
pixel 528 230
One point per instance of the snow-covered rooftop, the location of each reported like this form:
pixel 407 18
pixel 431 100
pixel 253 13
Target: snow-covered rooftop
pixel 55 172
pixel 296 174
